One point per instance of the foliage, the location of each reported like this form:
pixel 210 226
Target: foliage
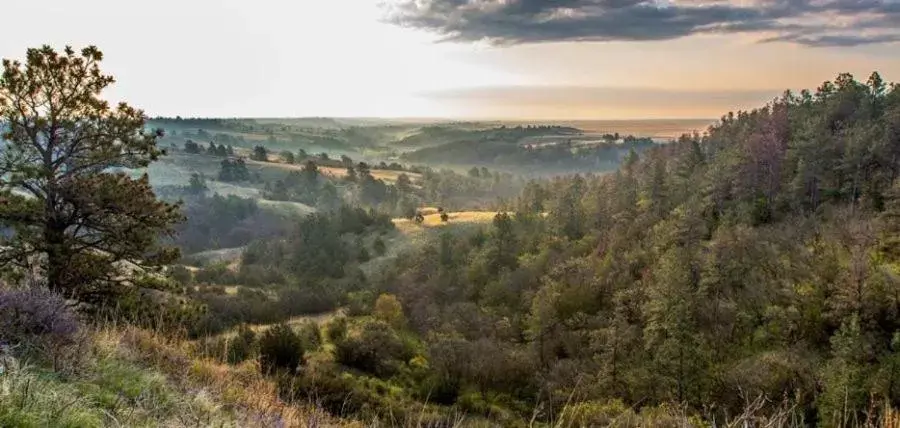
pixel 280 349
pixel 38 323
pixel 315 250
pixel 310 335
pixel 378 246
pixel 197 184
pixel 234 170
pixel 375 348
pixel 231 349
pixel 260 154
pixel 225 222
pixel 388 309
pixel 61 144
pixel 756 260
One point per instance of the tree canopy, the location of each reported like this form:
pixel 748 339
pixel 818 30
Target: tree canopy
pixel 74 213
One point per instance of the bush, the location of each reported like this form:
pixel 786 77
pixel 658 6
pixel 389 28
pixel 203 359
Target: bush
pixel 234 349
pixel 306 300
pixel 310 335
pixel 182 275
pixel 225 311
pixel 336 330
pixel 328 389
pixel 359 302
pixel 389 310
pixel 362 255
pixel 375 349
pixel 439 389
pixel 156 311
pixel 217 273
pixel 379 247
pixel 39 323
pixel 280 349
pixel 344 395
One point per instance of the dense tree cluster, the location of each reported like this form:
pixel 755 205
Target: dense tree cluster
pixel 318 247
pixel 224 222
pixel 756 260
pixel 234 170
pixel 306 186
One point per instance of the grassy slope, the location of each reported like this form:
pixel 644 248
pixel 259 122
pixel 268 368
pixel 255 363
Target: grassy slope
pixel 381 174
pixel 411 235
pixel 133 377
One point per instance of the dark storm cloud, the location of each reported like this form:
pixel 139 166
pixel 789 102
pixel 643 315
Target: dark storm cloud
pixel 811 23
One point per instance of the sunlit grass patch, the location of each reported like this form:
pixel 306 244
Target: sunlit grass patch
pixel 433 219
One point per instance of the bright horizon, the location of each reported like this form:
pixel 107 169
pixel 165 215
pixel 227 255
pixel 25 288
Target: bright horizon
pixel 465 59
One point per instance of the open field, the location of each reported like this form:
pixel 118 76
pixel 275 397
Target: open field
pixel 433 219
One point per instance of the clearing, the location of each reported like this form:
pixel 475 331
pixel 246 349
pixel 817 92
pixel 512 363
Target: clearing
pixel 380 174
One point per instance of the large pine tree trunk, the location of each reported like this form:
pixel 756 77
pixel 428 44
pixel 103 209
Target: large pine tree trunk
pixel 54 237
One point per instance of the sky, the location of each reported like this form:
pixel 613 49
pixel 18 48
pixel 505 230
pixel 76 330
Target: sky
pixel 468 59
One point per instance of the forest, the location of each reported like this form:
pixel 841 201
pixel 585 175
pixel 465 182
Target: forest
pixel 746 275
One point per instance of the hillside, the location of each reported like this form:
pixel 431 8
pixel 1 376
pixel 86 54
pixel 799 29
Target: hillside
pixel 745 276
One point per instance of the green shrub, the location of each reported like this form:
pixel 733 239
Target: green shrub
pixel 280 349
pixel 379 247
pixel 218 273
pixel 363 255
pixel 375 348
pixel 359 302
pixel 310 335
pixel 182 275
pixel 388 309
pixel 345 395
pixel 306 300
pixel 439 389
pixel 336 329
pixel 170 313
pixel 232 349
pixel 328 389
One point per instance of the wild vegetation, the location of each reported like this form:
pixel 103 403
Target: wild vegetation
pixel 748 275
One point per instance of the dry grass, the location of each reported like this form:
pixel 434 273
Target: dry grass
pixel 241 389
pixel 433 219
pixel 301 319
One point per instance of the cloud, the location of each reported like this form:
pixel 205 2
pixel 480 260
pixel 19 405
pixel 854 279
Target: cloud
pixel 825 40
pixel 805 22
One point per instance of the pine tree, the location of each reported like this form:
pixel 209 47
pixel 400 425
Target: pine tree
pixel 83 224
pixel 260 154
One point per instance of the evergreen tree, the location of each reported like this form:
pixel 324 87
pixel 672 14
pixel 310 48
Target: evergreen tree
pixel 260 154
pixel 197 184
pixel 287 157
pixel 191 147
pixel 60 146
